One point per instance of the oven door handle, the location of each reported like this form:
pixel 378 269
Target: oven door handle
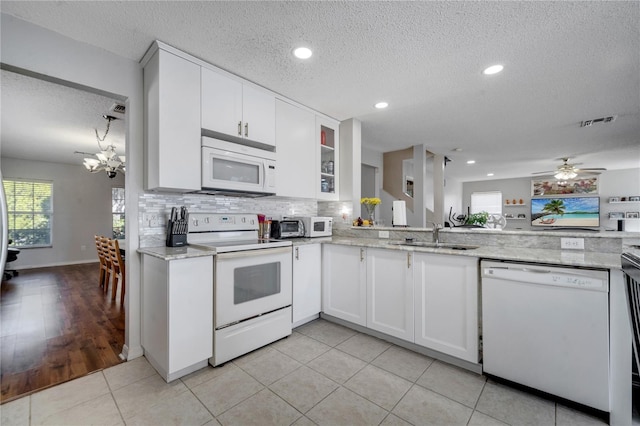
pixel 254 253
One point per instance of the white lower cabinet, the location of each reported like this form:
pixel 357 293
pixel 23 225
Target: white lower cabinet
pixel 307 291
pixel 344 287
pixel 424 298
pixel 177 314
pixel 390 292
pixel 446 304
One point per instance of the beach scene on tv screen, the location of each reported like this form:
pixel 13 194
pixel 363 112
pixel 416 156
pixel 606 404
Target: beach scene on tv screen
pixel 578 211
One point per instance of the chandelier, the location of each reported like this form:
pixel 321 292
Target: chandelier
pixel 106 160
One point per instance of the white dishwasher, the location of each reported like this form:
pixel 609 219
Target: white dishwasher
pixel 548 328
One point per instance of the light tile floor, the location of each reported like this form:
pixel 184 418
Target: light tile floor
pixel 323 374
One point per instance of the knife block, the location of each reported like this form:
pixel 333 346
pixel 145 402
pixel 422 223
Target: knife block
pixel 176 240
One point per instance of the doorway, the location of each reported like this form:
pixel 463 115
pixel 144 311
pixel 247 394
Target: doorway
pixel 57 323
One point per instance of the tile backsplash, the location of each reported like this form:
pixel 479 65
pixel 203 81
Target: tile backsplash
pixel 160 204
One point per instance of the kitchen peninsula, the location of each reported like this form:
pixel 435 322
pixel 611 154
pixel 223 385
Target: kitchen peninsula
pixel 381 284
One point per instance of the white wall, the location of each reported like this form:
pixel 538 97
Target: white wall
pixel 39 52
pixel 373 159
pixel 452 197
pixel 81 209
pixel 613 183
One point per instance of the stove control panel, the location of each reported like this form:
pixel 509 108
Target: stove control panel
pixel 212 222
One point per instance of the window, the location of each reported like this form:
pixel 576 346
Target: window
pixel 117 211
pixel 490 202
pixel 29 211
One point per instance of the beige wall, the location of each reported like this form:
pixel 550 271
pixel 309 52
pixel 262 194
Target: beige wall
pixel 81 209
pixel 392 174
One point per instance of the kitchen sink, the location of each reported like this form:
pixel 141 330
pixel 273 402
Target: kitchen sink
pixel 450 246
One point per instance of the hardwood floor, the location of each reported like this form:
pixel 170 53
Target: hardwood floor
pixel 56 325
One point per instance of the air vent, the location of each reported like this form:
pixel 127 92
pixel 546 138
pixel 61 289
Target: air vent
pixel 588 123
pixel 118 108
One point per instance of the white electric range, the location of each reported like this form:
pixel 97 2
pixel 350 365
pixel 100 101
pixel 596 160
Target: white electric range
pixel 252 283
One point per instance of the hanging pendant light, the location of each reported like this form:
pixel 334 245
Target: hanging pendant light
pixel 107 159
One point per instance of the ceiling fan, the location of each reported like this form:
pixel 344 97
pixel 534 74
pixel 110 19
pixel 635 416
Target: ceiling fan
pixel 569 171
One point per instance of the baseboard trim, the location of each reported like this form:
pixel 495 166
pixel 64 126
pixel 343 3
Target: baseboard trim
pixel 476 368
pixel 49 265
pixel 128 354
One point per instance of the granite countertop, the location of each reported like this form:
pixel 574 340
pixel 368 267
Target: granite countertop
pixel 174 253
pixel 523 254
pixel 506 231
pixel 555 257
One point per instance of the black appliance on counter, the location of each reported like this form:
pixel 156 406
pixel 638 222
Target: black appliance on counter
pixel 287 228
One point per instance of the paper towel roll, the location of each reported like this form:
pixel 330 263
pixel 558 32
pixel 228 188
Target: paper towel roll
pixel 399 213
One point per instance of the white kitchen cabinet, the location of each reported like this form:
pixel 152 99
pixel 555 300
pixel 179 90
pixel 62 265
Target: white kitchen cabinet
pixel 177 314
pixel 172 122
pixel 307 283
pixel 296 153
pixel 327 158
pixel 237 109
pixel 390 293
pixel 446 304
pixel 344 287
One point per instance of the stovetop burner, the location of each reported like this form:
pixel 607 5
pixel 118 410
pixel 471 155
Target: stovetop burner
pixel 228 232
pixel 229 246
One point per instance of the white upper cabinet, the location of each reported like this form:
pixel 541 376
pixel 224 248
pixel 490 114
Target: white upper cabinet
pixel 327 142
pixel 221 103
pixel 296 152
pixel 237 109
pixel 172 123
pixel 259 115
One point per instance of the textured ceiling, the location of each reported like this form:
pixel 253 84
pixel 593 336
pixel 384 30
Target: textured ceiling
pixel 564 62
pixel 48 122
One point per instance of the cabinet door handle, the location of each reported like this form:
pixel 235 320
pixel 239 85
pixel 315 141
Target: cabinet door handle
pixel 297 254
pixel 408 260
pixel 361 254
pixel 246 130
pixel 239 128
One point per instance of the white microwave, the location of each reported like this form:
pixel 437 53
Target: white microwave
pixel 231 168
pixel 315 226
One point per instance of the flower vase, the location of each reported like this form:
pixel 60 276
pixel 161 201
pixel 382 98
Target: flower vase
pixel 371 210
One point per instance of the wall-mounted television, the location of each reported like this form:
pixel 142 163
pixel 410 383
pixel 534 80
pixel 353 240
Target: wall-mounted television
pixel 566 212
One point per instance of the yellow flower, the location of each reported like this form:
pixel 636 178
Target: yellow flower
pixel 370 201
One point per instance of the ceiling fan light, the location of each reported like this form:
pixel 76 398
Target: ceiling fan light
pixel 123 159
pixel 101 156
pixel 565 175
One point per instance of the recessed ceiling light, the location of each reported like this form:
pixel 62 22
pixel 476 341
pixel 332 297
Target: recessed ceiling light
pixel 489 174
pixel 493 69
pixel 381 105
pixel 457 149
pixel 471 162
pixel 303 52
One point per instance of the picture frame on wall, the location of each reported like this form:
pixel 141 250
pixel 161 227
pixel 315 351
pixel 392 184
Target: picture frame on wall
pixel 616 215
pixel 635 198
pixel 551 186
pixel 614 199
pixel 632 215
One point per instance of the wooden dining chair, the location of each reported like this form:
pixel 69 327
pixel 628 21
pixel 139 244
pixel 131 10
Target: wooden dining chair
pixel 104 267
pixel 117 270
pixel 104 245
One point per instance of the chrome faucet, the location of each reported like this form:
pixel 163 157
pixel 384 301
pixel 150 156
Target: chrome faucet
pixel 436 232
